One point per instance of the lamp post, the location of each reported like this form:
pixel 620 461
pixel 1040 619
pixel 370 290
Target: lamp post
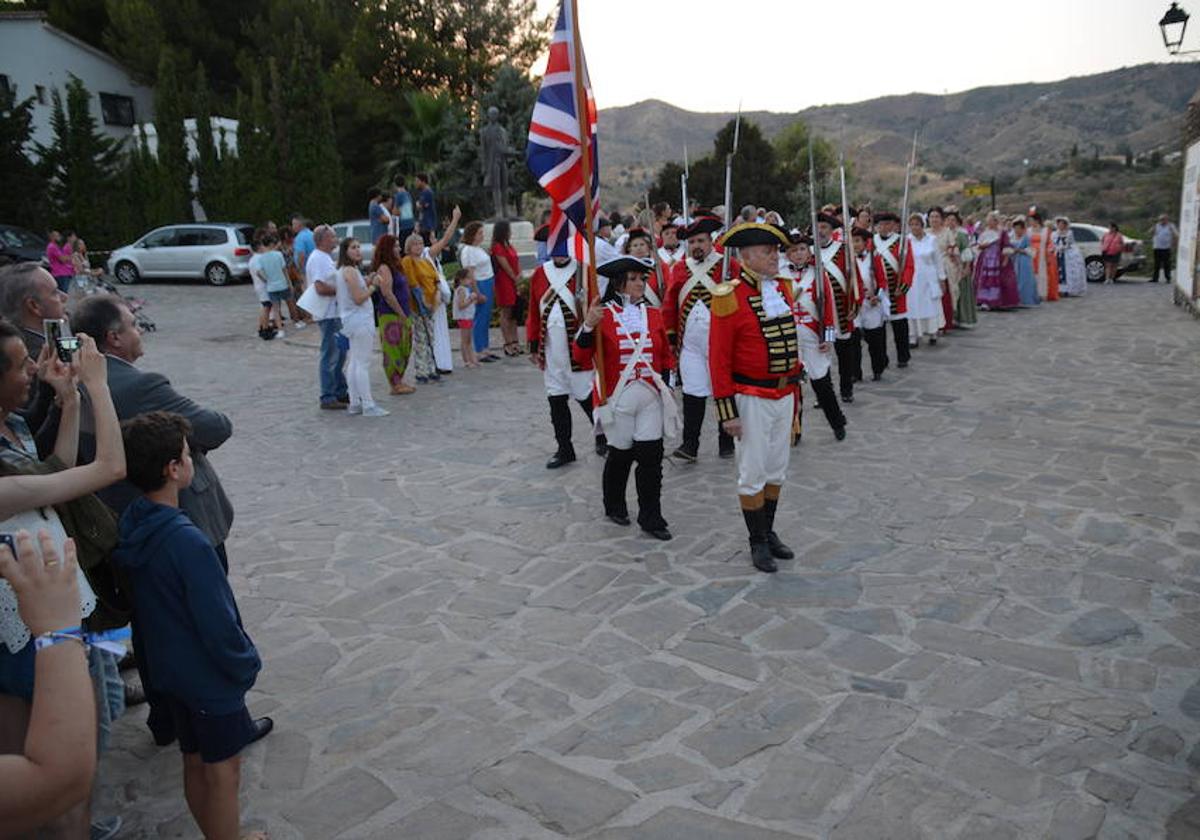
pixel 1173 26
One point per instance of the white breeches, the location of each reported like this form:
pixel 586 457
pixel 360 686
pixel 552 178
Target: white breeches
pixel 637 416
pixel 765 445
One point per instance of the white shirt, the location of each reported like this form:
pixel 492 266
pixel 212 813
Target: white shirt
pixel 774 304
pixel 356 317
pixel 472 256
pixel 320 267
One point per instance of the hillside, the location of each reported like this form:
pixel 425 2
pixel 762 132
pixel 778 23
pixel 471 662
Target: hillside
pixel 985 132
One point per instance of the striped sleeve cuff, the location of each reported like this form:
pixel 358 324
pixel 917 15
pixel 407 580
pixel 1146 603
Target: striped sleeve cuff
pixel 726 408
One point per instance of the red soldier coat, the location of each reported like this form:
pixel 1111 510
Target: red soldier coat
pixel 658 354
pixel 847 292
pixel 814 313
pixel 898 282
pixel 749 352
pixel 672 306
pixel 539 284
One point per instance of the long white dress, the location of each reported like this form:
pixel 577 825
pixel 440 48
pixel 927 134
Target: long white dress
pixel 925 296
pixel 443 358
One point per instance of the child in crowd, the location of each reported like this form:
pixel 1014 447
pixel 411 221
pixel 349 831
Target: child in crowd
pixel 201 659
pixel 259 280
pixel 466 295
pixel 279 289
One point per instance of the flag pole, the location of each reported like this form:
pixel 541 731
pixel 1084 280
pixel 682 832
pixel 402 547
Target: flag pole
pixel 585 148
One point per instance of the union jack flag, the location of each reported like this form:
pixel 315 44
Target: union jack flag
pixel 554 154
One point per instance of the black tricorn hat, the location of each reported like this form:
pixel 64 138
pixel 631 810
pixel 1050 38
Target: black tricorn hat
pixel 887 216
pixel 755 233
pixel 832 221
pixel 702 224
pixel 623 265
pixel 799 237
pixel 639 233
pixel 542 234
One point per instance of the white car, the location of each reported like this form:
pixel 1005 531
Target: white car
pixel 217 252
pixel 1087 238
pixel 360 229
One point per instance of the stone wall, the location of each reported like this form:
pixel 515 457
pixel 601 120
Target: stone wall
pixel 1191 133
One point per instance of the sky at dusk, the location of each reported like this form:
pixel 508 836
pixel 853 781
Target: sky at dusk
pixel 706 55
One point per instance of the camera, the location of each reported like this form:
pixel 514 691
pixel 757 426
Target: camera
pixel 64 344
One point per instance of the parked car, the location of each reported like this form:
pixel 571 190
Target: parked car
pixel 20 245
pixel 218 252
pixel 360 229
pixel 1088 237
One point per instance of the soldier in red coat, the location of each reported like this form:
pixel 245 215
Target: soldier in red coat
pixel 556 308
pixel 847 298
pixel 632 342
pixel 672 250
pixel 815 319
pixel 640 244
pixel 754 359
pixel 898 279
pixel 686 310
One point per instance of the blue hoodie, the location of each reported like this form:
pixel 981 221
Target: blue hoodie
pixel 195 648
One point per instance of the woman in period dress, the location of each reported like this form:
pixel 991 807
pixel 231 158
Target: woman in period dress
pixel 965 315
pixel 924 297
pixel 947 246
pixel 632 341
pixel 1041 251
pixel 995 282
pixel 1071 269
pixel 1023 264
pixel 393 312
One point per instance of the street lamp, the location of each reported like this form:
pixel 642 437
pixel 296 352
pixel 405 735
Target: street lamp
pixel 1173 25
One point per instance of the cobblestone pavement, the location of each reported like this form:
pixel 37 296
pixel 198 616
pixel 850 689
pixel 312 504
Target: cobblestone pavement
pixel 992 629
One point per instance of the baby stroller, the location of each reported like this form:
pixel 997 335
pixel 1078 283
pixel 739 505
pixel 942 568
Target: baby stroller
pixel 101 285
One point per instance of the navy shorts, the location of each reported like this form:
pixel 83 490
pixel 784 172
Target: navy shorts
pixel 215 737
pixel 282 296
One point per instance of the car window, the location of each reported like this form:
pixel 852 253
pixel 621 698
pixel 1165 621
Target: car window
pixel 161 238
pixel 244 235
pixel 363 234
pixel 1083 234
pixel 21 238
pixel 215 236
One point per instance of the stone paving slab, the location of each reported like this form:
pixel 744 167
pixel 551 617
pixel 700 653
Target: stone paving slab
pixel 992 628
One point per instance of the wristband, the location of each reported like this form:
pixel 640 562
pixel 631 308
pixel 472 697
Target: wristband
pixel 108 640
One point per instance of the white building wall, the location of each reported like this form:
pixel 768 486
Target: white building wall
pixel 35 55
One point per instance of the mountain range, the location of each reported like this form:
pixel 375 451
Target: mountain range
pixel 987 131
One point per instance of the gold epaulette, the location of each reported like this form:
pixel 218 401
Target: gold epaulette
pixel 724 301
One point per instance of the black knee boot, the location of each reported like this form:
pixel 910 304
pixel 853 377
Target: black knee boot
pixel 778 549
pixel 601 440
pixel 648 480
pixel 760 550
pixel 724 442
pixel 616 476
pixel 560 417
pixel 827 400
pixel 693 419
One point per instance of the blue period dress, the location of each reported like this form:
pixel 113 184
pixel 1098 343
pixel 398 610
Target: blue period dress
pixel 1023 267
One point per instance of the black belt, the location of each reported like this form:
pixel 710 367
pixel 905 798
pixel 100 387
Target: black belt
pixel 779 382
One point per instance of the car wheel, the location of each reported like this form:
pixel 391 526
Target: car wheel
pixel 1094 267
pixel 126 273
pixel 217 274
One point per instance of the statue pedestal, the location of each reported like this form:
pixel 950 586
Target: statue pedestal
pixel 522 240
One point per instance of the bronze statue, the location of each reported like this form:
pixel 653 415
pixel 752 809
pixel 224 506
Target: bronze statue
pixel 494 154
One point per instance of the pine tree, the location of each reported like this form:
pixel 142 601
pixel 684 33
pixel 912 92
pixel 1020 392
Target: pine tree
pixel 170 110
pixel 80 167
pixel 21 200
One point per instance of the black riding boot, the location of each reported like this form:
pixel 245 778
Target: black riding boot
pixel 724 442
pixel 693 419
pixel 648 480
pixel 601 440
pixel 616 476
pixel 827 400
pixel 778 549
pixel 760 550
pixel 560 417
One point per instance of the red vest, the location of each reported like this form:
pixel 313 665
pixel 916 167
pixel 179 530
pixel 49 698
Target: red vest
pixel 615 346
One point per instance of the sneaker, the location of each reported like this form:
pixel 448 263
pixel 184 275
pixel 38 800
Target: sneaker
pixel 374 411
pixel 299 324
pixel 354 409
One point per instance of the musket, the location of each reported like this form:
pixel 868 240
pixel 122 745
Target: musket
pixel 683 179
pixel 737 131
pixel 824 330
pixel 912 162
pixel 847 227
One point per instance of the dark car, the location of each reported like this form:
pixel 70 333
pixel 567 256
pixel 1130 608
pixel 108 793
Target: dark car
pixel 20 245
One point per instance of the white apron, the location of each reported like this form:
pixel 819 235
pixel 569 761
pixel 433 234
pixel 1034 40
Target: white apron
pixel 816 364
pixel 559 378
pixel 693 355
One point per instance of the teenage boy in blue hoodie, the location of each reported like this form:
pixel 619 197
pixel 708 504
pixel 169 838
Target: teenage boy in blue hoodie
pixel 201 658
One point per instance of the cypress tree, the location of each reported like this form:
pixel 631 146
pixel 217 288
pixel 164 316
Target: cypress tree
pixel 21 200
pixel 208 164
pixel 170 110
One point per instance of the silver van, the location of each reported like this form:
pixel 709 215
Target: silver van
pixel 218 252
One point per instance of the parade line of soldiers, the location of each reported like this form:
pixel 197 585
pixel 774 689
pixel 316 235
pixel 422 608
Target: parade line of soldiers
pixel 741 317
